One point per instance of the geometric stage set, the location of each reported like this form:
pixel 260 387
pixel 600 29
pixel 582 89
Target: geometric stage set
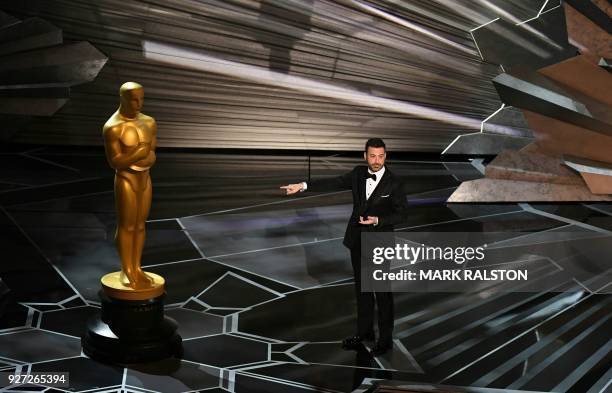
pixel 198 239
pixel 262 304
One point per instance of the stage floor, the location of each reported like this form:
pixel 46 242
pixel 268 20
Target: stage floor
pixel 261 285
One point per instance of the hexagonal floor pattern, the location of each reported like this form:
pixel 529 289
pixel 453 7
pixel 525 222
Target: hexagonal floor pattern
pixel 261 286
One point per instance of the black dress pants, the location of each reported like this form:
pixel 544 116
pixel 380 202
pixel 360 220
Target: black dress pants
pixel 365 305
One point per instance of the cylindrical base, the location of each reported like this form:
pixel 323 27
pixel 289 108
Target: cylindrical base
pixel 131 331
pixel 114 286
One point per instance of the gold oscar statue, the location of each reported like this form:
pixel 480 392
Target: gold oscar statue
pixel 131 326
pixel 130 140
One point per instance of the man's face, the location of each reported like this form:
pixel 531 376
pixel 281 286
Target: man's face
pixel 134 99
pixel 375 156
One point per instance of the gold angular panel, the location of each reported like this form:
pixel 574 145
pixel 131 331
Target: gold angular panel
pixel 597 175
pixel 518 165
pixel 555 138
pixel 597 183
pixel 586 35
pixel 498 190
pixel 583 74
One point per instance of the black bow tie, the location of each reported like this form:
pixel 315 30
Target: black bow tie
pixel 371 176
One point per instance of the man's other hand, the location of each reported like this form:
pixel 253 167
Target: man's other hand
pixel 292 188
pixel 370 220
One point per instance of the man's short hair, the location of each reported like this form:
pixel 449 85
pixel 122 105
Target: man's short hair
pixel 375 142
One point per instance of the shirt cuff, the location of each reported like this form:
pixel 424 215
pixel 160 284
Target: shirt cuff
pixel 304 186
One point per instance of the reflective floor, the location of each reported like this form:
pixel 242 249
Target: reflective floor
pixel 261 286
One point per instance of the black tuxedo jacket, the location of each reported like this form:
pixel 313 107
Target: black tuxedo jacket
pixel 387 202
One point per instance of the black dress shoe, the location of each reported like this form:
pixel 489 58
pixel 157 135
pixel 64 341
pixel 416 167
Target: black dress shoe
pixel 353 342
pixel 381 348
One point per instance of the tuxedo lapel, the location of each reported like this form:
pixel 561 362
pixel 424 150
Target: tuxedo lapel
pixel 380 186
pixel 361 191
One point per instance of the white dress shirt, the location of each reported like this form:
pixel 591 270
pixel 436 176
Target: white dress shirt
pixel 371 183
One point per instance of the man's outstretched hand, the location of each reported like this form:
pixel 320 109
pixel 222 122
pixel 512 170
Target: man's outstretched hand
pixel 370 220
pixel 292 188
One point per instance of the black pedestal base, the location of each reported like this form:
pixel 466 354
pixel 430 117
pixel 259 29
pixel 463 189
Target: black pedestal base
pixel 131 331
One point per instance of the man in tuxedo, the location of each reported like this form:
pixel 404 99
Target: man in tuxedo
pixel 378 204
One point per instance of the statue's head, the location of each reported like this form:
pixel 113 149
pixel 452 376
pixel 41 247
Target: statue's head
pixel 132 98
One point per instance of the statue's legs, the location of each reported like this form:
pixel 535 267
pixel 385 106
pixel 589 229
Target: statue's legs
pixel 125 202
pixel 144 205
